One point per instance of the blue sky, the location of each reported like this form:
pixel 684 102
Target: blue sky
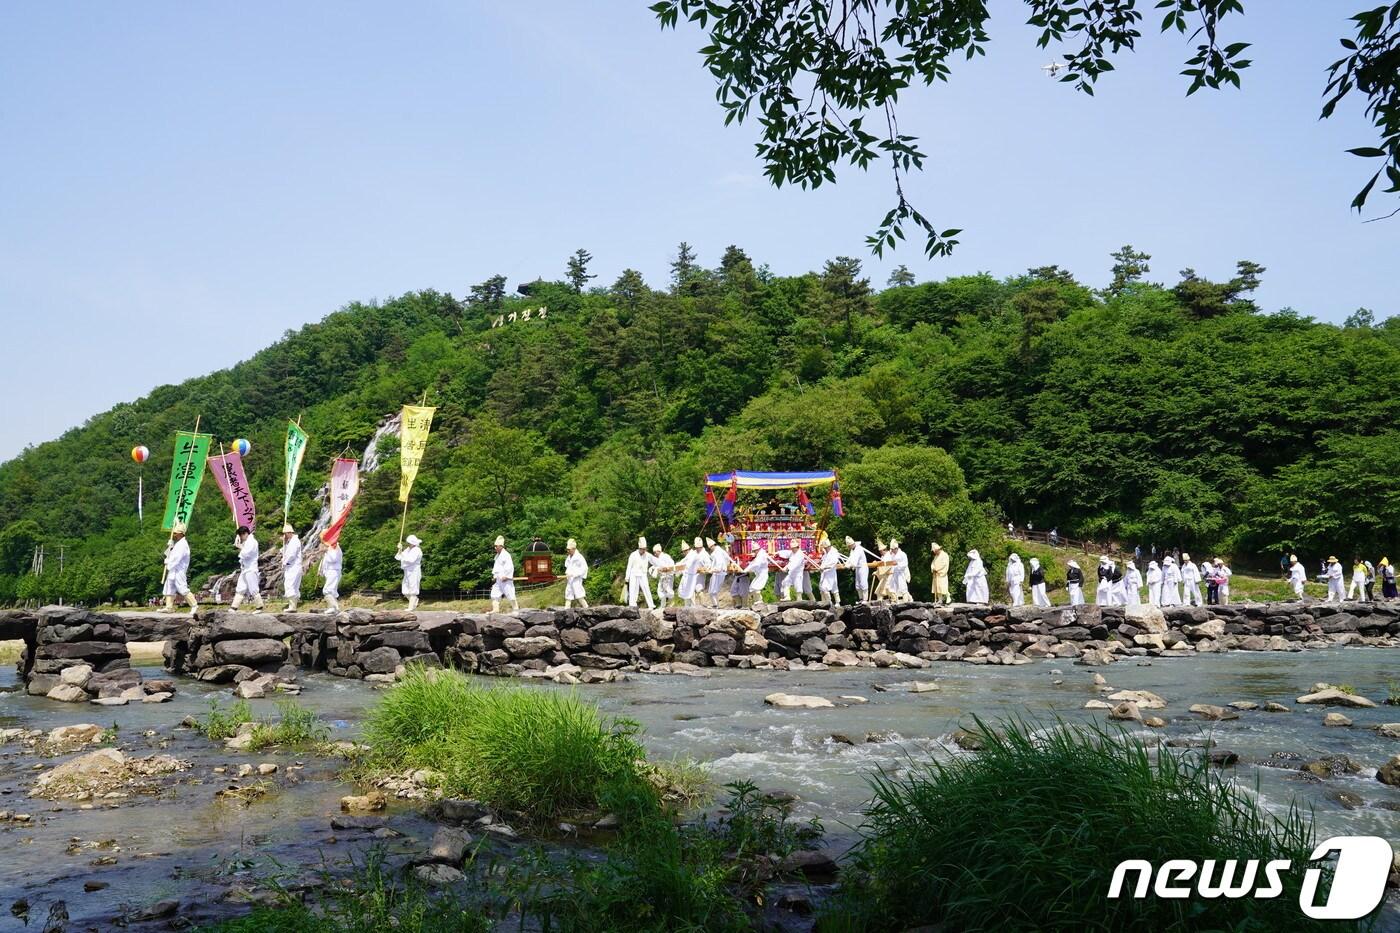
pixel 182 183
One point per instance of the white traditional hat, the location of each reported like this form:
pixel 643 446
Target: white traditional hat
pixel 641 544
pixel 500 541
pixel 794 543
pixel 709 542
pixel 287 529
pixel 893 544
pixel 935 546
pixel 700 542
pixel 850 542
pixel 656 549
pixel 571 545
pixel 685 545
pixel 413 540
pixel 179 528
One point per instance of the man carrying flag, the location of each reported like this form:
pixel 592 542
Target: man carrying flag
pixel 177 568
pixel 291 567
pixel 249 584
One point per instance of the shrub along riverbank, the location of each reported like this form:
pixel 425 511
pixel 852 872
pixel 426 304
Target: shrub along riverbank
pixel 1022 835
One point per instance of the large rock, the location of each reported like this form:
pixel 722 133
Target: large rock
pixel 1145 699
pixel 1389 773
pixel 792 701
pixel 496 625
pixel 68 693
pixel 1334 697
pixel 251 652
pixel 629 630
pixel 717 643
pixel 230 625
pixel 530 647
pixel 1214 713
pixel 1148 618
pixel 795 634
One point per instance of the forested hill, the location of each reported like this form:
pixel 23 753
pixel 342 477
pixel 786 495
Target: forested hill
pixel 1158 414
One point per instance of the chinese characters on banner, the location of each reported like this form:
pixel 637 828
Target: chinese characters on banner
pixel 296 449
pixel 345 485
pixel 413 440
pixel 501 320
pixel 233 483
pixel 186 472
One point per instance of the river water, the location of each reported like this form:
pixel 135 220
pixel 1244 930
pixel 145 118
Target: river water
pixel 188 845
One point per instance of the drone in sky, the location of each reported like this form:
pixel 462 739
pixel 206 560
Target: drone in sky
pixel 1054 68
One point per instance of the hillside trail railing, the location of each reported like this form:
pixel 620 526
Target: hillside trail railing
pixel 1084 545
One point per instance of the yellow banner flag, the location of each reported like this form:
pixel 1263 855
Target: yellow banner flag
pixel 413 440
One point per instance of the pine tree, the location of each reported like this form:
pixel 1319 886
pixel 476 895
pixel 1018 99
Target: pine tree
pixel 901 277
pixel 578 274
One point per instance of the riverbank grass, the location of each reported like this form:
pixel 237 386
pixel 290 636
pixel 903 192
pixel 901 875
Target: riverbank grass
pixel 536 751
pixel 1025 835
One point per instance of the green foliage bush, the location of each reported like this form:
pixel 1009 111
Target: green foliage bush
pixel 1025 835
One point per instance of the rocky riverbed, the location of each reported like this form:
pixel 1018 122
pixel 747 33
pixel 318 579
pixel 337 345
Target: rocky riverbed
pixel 184 836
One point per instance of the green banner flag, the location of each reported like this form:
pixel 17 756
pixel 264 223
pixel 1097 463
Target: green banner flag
pixel 191 450
pixel 296 449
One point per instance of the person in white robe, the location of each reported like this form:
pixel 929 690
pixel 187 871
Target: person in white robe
pixel 411 563
pixel 1132 585
pixel 719 570
pixel 1297 575
pixel 1074 582
pixel 795 567
pixel 1223 573
pixel 249 584
pixel 1015 576
pixel 1117 591
pixel 1171 582
pixel 1334 579
pixel 857 561
pixel 1154 584
pixel 663 571
pixel 899 576
pixel 291 567
pixel 503 577
pixel 1038 594
pixel 1191 581
pixel 830 561
pixel 975 578
pixel 692 561
pixel 177 571
pixel 757 571
pixel 638 568
pixel 1103 591
pixel 575 572
pixel 332 563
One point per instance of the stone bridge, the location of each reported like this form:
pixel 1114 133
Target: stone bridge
pixel 586 645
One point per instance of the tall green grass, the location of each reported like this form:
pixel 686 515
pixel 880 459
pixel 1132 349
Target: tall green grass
pixel 537 751
pixel 1025 835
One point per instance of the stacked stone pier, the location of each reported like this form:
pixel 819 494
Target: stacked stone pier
pixel 78 648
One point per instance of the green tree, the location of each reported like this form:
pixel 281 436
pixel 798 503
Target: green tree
pixel 901 277
pixel 1360 318
pixel 578 274
pixel 824 81
pixel 1204 298
pixel 1129 267
pixel 629 289
pixel 491 294
pixel 683 268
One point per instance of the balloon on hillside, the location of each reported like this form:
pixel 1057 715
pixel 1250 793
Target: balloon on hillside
pixel 140 454
pixel 242 446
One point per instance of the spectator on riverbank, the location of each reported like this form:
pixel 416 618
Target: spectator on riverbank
pixel 1223 573
pixel 1370 582
pixel 1054 537
pixel 1387 575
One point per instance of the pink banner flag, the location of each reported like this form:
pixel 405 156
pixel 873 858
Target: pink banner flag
pixel 229 476
pixel 345 485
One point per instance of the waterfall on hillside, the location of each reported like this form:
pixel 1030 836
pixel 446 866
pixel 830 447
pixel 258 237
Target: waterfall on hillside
pixel 270 563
